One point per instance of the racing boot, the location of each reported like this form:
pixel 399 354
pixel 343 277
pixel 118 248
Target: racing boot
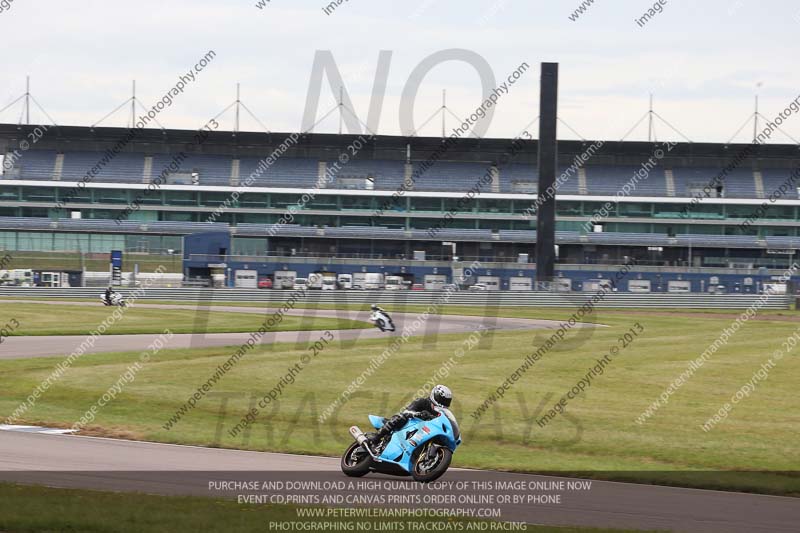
pixel 389 426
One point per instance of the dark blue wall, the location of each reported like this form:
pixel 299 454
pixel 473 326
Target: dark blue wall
pixel 207 244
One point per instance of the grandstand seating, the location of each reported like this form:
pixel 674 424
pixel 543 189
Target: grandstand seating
pixel 783 242
pixel 365 232
pixel 517 235
pixel 733 241
pixel 286 230
pixel 518 177
pixel 389 174
pixel 34 164
pixel 450 176
pixel 456 234
pixel 353 175
pixel 775 178
pixel 607 180
pixel 212 169
pixel 253 229
pixel 737 183
pixel 284 172
pixel 122 168
pixel 634 239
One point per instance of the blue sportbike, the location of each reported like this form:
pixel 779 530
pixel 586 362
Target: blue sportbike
pixel 422 449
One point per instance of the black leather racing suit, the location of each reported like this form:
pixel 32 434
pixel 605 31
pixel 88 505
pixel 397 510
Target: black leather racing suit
pixel 421 408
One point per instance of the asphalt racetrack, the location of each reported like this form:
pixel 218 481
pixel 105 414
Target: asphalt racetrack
pixel 20 347
pixel 120 465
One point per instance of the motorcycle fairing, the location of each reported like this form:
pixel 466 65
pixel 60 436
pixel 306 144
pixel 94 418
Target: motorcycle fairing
pixel 400 449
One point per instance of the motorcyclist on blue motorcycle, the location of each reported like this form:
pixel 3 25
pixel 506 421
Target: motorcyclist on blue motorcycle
pixel 422 408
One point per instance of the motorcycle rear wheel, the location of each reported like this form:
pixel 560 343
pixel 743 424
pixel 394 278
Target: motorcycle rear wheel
pixel 356 464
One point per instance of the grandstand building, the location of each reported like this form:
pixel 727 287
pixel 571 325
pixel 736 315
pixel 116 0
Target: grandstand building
pixel 711 214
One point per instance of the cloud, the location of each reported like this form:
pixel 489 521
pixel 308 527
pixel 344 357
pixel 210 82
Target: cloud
pixel 702 61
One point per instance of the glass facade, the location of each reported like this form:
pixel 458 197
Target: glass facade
pixel 329 209
pixel 30 241
pixel 334 202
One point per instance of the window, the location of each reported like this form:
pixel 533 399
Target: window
pixel 45 194
pixel 8 240
pixel 70 242
pixel 35 242
pixel 460 206
pixel 280 201
pixel 634 209
pixel 254 218
pixel 568 209
pixel 111 196
pixel 213 199
pixel 177 217
pixel 176 197
pixel 494 206
pixel 9 193
pixel 250 199
pixel 492 224
pixel 249 246
pixel 322 202
pixel 426 204
pixel 357 202
pixel 525 207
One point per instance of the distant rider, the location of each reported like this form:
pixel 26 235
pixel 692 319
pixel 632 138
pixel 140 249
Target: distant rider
pixel 109 292
pixel 387 320
pixel 422 408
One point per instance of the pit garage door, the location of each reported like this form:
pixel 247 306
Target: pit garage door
pixel 246 279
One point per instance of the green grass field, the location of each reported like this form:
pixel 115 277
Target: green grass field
pixel 65 319
pixel 26 509
pixel 754 449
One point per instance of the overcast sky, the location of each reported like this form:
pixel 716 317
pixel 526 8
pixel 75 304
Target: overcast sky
pixel 703 60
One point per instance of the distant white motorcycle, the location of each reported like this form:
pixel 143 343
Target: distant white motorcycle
pixel 116 299
pixel 382 320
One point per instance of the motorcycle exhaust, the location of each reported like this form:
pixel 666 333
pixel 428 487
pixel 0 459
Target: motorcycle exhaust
pixel 358 434
pixel 362 440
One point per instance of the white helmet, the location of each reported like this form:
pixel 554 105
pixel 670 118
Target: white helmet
pixel 441 396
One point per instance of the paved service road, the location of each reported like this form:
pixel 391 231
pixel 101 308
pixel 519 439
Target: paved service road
pixel 47 346
pixel 120 465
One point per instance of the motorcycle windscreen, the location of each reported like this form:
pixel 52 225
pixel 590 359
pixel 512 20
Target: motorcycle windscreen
pixel 376 421
pixel 453 423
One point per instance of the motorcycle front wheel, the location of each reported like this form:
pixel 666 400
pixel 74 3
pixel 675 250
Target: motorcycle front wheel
pixel 427 469
pixel 356 461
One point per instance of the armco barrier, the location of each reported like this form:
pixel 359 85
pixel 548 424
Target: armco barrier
pixel 488 298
